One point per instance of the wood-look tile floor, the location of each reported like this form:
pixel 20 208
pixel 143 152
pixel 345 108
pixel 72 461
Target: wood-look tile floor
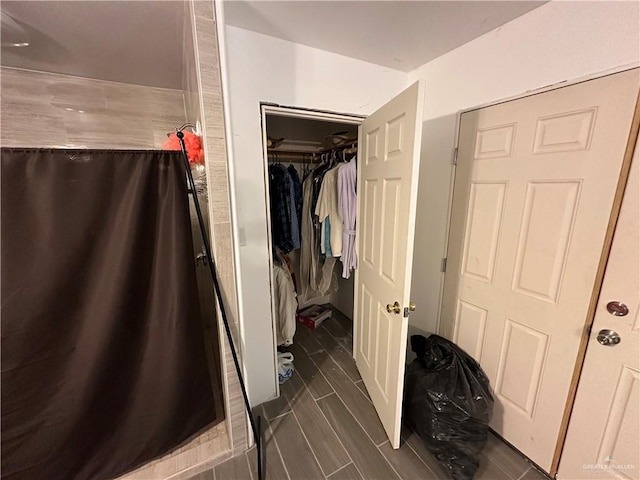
pixel 324 426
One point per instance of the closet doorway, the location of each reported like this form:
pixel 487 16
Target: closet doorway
pixel 357 200
pixel 298 142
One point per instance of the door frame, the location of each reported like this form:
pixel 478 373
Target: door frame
pixel 606 248
pixel 267 108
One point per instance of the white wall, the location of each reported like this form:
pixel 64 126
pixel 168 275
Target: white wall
pixel 556 42
pixel 265 69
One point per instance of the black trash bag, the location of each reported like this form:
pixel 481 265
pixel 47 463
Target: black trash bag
pixel 448 402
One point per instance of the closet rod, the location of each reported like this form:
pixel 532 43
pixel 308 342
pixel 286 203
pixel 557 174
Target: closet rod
pixel 306 156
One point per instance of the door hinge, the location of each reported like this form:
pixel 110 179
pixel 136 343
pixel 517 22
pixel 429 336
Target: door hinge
pixel 443 267
pixel 454 158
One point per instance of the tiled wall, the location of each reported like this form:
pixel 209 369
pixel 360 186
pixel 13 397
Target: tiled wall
pixel 212 117
pixel 50 110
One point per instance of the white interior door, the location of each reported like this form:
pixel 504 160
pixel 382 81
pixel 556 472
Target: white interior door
pixel 534 189
pixel 388 164
pixel 603 440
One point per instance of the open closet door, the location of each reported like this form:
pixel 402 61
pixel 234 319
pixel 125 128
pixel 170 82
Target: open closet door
pixel 387 190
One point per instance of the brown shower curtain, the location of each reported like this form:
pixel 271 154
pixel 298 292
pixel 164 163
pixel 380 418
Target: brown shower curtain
pixel 103 361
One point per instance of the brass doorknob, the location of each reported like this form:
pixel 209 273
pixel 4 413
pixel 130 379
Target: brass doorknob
pixel 412 307
pixel 395 308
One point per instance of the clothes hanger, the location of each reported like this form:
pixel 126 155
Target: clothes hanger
pixel 334 158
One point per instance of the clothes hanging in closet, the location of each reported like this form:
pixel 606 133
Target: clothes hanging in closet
pixel 297 206
pixel 315 269
pixel 286 305
pixel 318 176
pixel 347 204
pixel 325 240
pixel 307 258
pixel 327 229
pixel 327 208
pixel 285 207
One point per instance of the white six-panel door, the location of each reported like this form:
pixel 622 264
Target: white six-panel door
pixel 603 441
pixel 387 190
pixel 534 188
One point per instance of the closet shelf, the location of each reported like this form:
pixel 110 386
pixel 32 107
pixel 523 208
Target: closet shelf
pixel 312 152
pixel 293 152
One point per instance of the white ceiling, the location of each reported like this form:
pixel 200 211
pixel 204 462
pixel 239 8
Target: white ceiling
pixel 138 42
pixel 398 34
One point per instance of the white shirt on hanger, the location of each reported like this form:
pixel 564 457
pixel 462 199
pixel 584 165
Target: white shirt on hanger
pixel 327 206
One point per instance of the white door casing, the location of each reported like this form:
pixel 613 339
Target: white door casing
pixel 388 163
pixel 603 440
pixel 535 183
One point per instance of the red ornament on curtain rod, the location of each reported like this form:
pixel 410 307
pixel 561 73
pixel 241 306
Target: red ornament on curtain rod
pixel 192 142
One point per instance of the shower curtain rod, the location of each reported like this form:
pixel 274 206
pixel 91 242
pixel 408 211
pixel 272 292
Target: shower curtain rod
pixel 255 424
pixel 192 126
